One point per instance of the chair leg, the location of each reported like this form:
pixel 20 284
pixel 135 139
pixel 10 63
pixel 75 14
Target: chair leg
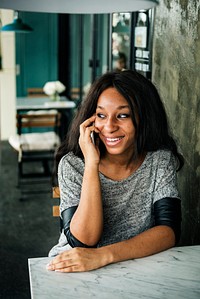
pixel 46 167
pixel 26 181
pixel 20 173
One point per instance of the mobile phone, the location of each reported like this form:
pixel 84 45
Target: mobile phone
pixel 92 137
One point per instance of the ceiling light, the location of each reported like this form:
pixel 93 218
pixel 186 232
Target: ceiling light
pixel 78 6
pixel 17 26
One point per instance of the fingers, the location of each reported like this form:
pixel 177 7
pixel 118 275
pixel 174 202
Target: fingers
pixel 86 128
pixel 89 148
pixel 69 269
pixel 88 123
pixel 60 262
pixel 66 268
pixel 74 260
pixel 62 266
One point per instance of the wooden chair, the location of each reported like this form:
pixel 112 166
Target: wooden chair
pixel 56 195
pixel 75 93
pixel 56 206
pixel 35 92
pixel 35 145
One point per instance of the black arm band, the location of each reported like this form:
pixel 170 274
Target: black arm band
pixel 66 219
pixel 167 211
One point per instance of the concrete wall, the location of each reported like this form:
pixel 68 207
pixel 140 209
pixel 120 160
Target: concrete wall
pixel 176 73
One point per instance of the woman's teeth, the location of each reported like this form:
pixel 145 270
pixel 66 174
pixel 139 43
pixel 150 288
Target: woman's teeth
pixel 113 139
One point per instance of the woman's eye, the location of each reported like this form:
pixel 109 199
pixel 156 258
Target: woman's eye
pixel 100 115
pixel 123 115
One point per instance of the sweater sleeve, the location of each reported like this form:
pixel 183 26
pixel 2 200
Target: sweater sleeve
pixel 66 218
pixel 165 182
pixel 167 203
pixel 167 211
pixel 70 176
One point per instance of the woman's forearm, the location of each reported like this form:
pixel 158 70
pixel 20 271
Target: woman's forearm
pixel 147 243
pixel 154 240
pixel 87 222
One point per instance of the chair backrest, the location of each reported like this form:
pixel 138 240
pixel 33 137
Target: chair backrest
pixel 74 93
pixel 38 119
pixel 56 195
pixel 35 92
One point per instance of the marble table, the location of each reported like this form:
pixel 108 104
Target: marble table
pixel 171 274
pixel 35 103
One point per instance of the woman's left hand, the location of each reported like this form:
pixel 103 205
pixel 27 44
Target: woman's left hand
pixel 77 260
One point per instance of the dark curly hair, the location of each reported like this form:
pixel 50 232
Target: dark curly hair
pixel 152 132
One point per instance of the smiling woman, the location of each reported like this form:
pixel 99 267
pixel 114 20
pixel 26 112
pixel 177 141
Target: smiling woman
pixel 119 197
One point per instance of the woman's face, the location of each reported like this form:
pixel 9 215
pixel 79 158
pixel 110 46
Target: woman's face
pixel 113 119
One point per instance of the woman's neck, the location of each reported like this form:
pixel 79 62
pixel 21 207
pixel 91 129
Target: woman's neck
pixel 119 167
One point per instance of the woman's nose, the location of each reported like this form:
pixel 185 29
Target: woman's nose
pixel 110 125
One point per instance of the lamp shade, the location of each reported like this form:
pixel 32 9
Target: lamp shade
pixel 121 28
pixel 78 6
pixel 17 26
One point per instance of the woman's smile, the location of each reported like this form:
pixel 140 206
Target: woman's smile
pixel 113 141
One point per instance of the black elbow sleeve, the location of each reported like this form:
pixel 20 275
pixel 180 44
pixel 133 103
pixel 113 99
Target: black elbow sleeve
pixel 66 219
pixel 167 211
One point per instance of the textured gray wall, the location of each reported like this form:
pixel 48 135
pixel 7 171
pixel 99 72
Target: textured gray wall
pixel 176 73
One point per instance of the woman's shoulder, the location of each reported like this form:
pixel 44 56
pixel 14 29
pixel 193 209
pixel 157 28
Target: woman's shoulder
pixel 70 160
pixel 70 156
pixel 162 157
pixel 161 153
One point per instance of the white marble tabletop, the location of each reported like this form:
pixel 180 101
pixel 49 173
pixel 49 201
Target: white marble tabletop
pixel 25 103
pixel 171 274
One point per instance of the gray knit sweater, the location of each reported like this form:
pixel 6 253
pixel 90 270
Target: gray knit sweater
pixel 128 203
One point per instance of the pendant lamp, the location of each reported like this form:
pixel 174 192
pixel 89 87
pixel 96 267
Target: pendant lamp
pixel 78 6
pixel 17 26
pixel 121 26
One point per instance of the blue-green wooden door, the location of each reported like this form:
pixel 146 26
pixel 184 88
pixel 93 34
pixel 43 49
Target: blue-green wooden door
pixel 36 52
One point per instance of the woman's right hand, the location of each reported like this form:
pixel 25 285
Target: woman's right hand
pixel 90 151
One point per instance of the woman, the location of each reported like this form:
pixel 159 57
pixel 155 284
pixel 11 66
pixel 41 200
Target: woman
pixel 119 198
